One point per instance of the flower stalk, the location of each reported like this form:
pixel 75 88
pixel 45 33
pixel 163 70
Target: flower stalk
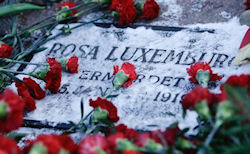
pixel 10 71
pixel 22 62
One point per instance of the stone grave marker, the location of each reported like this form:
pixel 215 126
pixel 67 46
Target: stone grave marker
pixel 161 56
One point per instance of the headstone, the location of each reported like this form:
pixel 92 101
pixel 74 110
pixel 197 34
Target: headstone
pixel 161 58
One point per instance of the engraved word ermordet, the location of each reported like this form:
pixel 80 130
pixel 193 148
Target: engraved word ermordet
pixel 161 59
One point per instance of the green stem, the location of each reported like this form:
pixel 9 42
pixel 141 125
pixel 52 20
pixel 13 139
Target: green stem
pixel 61 33
pixel 45 19
pixel 211 134
pixel 22 62
pixel 10 71
pixel 80 122
pixel 102 17
pixel 106 96
pixel 86 117
pixel 67 18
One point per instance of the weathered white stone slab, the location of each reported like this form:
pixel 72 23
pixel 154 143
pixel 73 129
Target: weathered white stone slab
pixel 161 59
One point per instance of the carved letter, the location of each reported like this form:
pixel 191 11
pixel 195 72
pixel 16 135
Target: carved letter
pixel 109 57
pixel 156 54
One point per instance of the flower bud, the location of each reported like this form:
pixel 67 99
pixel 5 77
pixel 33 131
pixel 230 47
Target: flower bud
pixel 224 111
pixel 38 149
pixel 100 115
pixel 115 14
pixel 120 79
pixel 100 151
pixel 203 77
pixel 140 5
pixel 203 110
pixel 153 146
pixel 40 74
pixel 70 65
pixel 125 144
pixel 3 110
pixel 66 5
pixel 184 144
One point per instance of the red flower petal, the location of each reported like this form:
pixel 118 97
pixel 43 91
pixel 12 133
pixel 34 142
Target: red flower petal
pixel 34 88
pixel 53 143
pixel 126 9
pixel 247 3
pixel 113 139
pixel 150 10
pixel 90 143
pixel 5 51
pixel 142 139
pixel 196 95
pixel 72 64
pixel 67 143
pixel 14 119
pixel 170 135
pixel 192 71
pixel 9 146
pixel 116 69
pixel 69 5
pixel 128 132
pixel 106 105
pixel 53 76
pixel 242 80
pixel 23 91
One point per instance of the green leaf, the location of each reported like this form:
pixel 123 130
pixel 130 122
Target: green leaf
pixel 82 108
pixel 17 8
pixel 236 130
pixel 16 136
pixel 244 147
pixel 238 94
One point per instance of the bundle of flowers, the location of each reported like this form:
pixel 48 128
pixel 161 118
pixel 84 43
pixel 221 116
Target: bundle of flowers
pixel 222 119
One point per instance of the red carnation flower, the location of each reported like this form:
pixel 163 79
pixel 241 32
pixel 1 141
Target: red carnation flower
pixel 114 138
pixel 11 111
pixel 107 106
pixel 128 132
pixel 23 91
pixel 218 98
pixel 142 139
pixel 34 89
pixel 242 80
pixel 150 10
pixel 148 141
pixel 170 135
pixel 126 10
pixel 198 74
pixel 52 143
pixel 68 5
pixel 5 51
pixel 67 143
pixel 53 76
pixel 8 146
pixel 128 70
pixel 114 4
pixel 72 65
pixel 93 144
pixel 195 96
pixel 247 3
